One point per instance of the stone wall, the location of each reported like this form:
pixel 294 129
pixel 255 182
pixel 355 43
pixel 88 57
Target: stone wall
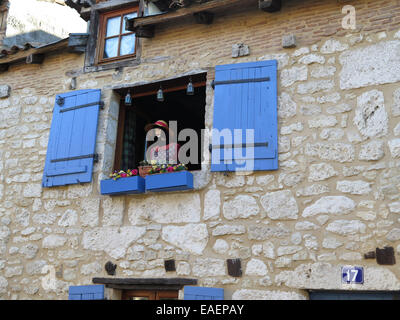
pixel 334 198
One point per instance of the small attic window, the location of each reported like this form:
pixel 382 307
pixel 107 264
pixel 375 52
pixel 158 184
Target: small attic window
pixel 115 42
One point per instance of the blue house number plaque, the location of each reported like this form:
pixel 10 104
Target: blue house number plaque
pixel 353 275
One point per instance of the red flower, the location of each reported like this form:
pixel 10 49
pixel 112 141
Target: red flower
pixel 134 172
pixel 123 175
pixel 170 169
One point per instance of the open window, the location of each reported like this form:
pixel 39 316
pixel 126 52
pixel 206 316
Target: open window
pixel 188 111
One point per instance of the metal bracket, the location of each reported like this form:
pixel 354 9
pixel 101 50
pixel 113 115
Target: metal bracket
pixel 240 145
pixel 99 103
pixel 215 83
pixel 88 156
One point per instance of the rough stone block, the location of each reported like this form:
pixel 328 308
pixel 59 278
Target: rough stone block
pixel 346 227
pixel 373 150
pixel 370 117
pixel 240 50
pixel 242 206
pixel 372 65
pixel 192 238
pixel 286 106
pixel 256 267
pixel 289 41
pixel 280 205
pixel 5 91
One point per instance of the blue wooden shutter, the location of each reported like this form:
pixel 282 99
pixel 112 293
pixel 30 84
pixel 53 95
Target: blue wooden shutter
pixel 72 141
pixel 203 293
pixel 95 292
pixel 246 98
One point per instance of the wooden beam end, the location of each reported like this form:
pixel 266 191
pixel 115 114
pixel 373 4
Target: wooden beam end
pixel 35 58
pixel 270 5
pixel 204 17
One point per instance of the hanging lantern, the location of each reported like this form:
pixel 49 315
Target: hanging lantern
pixel 190 88
pixel 160 95
pixel 128 99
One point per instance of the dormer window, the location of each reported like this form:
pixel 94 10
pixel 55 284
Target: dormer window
pixel 115 42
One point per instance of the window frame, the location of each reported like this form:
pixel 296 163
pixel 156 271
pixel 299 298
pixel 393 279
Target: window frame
pixel 151 294
pixel 104 17
pixel 90 64
pixel 148 92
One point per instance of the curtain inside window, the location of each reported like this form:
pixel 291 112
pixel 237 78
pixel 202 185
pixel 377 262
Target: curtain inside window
pixel 128 150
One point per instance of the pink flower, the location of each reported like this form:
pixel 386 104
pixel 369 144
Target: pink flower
pixel 135 172
pixel 170 169
pixel 123 175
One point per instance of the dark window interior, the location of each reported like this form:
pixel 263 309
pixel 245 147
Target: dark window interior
pixel 188 111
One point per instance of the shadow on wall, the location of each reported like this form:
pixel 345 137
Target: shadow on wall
pixel 38 36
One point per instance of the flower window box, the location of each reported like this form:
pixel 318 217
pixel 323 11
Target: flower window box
pixel 171 181
pixel 127 185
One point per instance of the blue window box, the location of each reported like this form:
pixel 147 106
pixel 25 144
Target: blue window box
pixel 131 185
pixel 174 181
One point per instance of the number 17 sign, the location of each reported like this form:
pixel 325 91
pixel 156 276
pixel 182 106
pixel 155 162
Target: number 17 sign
pixel 353 275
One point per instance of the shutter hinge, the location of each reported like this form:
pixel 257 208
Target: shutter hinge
pixel 240 145
pixel 60 101
pixel 215 83
pixel 99 103
pixel 88 156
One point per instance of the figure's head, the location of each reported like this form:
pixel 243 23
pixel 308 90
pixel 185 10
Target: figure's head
pixel 159 126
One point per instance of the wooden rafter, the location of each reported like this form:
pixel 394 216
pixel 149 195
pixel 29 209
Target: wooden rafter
pixel 209 6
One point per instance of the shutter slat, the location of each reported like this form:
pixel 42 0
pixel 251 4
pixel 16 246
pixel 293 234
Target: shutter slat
pixel 64 171
pixel 72 135
pixel 244 153
pixel 245 105
pixel 52 144
pixel 64 139
pixel 77 135
pixel 90 129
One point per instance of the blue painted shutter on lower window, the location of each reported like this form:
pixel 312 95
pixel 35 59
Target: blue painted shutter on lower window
pixel 246 98
pixel 72 140
pixel 95 292
pixel 203 293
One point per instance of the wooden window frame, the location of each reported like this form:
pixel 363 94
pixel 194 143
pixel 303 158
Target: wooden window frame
pixel 102 35
pixel 150 294
pixel 121 117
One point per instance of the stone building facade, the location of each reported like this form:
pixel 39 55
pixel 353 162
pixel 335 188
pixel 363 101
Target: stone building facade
pixel 36 21
pixel 333 202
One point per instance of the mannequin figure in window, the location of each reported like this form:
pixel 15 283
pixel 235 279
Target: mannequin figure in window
pixel 163 151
